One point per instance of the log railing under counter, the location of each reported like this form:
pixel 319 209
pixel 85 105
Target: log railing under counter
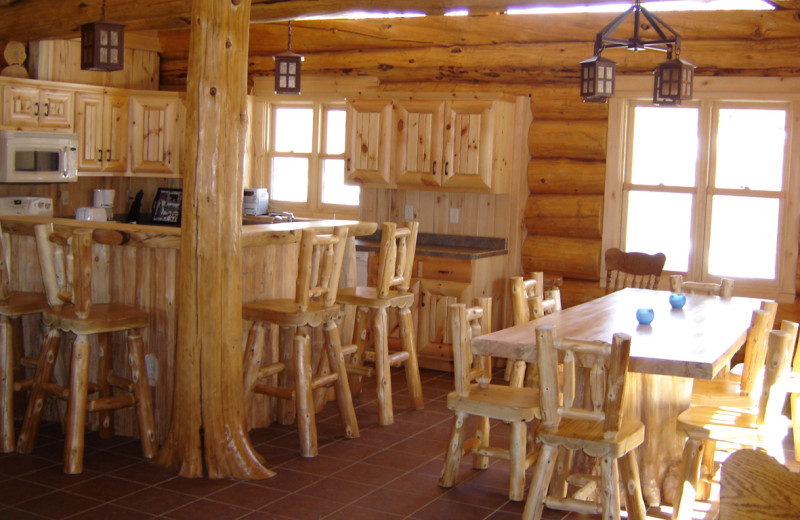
pixel 138 264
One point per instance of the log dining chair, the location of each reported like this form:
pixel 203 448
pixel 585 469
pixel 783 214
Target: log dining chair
pixel 395 264
pixel 763 428
pixel 66 263
pixel 529 300
pixel 475 396
pixel 723 289
pixel 632 269
pixel 319 267
pixel 13 305
pixel 600 431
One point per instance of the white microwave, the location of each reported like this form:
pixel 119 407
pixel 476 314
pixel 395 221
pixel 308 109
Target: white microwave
pixel 38 156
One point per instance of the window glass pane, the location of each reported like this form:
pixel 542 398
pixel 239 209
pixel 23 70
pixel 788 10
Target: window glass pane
pixel 660 223
pixel 294 129
pixel 289 179
pixel 335 129
pixel 750 146
pixel 334 190
pixel 664 146
pixel 744 237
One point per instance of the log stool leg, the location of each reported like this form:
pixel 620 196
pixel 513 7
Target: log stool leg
pixel 517 441
pixel 683 503
pixel 383 376
pixel 253 355
pixel 481 462
pixel 632 486
pixel 344 399
pixel 6 387
pixel 76 406
pixel 540 480
pixel 363 339
pixel 17 341
pixel 44 371
pixel 285 407
pixel 304 397
pixel 455 450
pixel 103 386
pixel 141 390
pixel 411 366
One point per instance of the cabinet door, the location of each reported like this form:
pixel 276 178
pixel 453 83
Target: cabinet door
pixel 55 109
pixel 21 106
pixel 89 127
pixel 469 144
pixel 115 133
pixel 154 134
pixel 368 142
pixel 418 134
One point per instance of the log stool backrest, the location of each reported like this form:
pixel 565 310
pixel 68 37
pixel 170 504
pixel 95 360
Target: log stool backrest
pixel 529 300
pixel 319 267
pixel 466 323
pixel 723 289
pixel 608 366
pixel 396 257
pixel 633 269
pixel 66 264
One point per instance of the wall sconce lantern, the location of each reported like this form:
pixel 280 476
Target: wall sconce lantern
pixel 102 45
pixel 673 78
pixel 287 69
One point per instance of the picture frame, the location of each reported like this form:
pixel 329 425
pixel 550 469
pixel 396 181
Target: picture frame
pixel 167 207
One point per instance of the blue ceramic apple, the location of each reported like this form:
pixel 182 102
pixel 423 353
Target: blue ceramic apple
pixel 644 316
pixel 677 300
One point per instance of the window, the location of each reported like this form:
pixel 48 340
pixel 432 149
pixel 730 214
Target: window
pixel 306 159
pixel 708 184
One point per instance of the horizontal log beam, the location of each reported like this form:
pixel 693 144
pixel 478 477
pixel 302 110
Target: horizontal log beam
pixel 566 176
pixel 578 216
pixel 572 139
pixel 569 257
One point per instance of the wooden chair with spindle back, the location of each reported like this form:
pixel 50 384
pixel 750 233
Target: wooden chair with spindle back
pixel 600 431
pixel 13 305
pixel 529 300
pixel 319 267
pixel 723 289
pixel 475 396
pixel 395 263
pixel 632 269
pixel 66 264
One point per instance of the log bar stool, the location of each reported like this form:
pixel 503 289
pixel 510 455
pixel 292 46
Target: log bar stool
pixel 395 262
pixel 319 267
pixel 13 305
pixel 67 273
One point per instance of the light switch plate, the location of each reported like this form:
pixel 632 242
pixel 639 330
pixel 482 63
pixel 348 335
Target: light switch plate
pixel 454 215
pixel 409 212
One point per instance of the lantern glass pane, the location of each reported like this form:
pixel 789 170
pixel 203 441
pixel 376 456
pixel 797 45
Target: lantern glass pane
pixel 292 68
pixel 282 81
pixel 103 54
pixel 282 67
pixel 103 37
pixel 114 38
pixel 292 81
pixel 113 56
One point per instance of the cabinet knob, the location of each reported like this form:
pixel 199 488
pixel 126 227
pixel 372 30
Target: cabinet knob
pixel 442 271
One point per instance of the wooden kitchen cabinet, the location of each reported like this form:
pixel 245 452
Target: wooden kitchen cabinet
pixel 418 138
pixel 101 122
pixel 369 143
pixel 154 130
pixel 28 106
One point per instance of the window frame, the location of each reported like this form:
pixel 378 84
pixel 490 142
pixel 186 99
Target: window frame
pixel 710 94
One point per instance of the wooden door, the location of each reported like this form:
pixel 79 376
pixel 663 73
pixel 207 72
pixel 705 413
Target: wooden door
pixel 368 142
pixel 469 144
pixel 115 133
pixel 89 127
pixel 21 106
pixel 418 139
pixel 154 123
pixel 55 109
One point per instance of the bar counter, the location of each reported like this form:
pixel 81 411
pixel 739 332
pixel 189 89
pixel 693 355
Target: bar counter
pixel 138 265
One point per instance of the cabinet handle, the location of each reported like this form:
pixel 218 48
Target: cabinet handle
pixel 36 109
pixel 434 168
pixel 100 155
pixel 46 109
pixel 442 271
pixel 169 157
pixel 446 164
pixel 108 155
pixel 348 164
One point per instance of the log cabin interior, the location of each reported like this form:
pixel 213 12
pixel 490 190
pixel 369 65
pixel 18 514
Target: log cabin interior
pixel 194 109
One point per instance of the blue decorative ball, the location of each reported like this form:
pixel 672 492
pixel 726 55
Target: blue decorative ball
pixel 677 300
pixel 645 316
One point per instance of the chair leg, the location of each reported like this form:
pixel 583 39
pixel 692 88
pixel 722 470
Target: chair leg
pixel 304 397
pixel 42 376
pixel 534 504
pixel 344 399
pixel 632 486
pixel 516 373
pixel 363 339
pixel 6 387
pixel 683 503
pixel 76 406
pixel 285 412
pixel 17 342
pixel 609 476
pixel 517 450
pixel 482 432
pixel 383 376
pixel 106 429
pixel 253 354
pixel 407 337
pixel 455 450
pixel 141 390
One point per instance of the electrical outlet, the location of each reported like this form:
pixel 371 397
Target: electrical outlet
pixel 454 215
pixel 152 369
pixel 65 198
pixel 409 212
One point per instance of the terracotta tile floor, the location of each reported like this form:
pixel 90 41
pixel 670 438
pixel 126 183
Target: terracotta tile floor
pixel 388 473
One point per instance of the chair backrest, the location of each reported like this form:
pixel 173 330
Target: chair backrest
pixel 66 263
pixel 466 323
pixel 632 269
pixel 319 266
pixel 723 289
pixel 755 346
pixel 755 485
pixel 529 300
pixel 396 257
pixel 776 371
pixel 607 364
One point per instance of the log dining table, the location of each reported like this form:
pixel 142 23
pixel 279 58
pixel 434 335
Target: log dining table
pixel 680 345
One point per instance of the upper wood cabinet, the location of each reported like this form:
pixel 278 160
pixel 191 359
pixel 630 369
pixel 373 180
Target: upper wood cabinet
pixel 469 145
pixel 418 138
pixel 27 106
pixel 154 133
pixel 101 122
pixel 369 143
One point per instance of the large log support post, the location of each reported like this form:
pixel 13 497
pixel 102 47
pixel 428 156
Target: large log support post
pixel 208 395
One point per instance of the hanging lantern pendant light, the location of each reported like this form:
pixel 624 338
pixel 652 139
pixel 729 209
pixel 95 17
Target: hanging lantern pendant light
pixel 287 69
pixel 102 45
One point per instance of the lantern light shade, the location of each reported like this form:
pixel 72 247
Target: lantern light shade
pixel 102 46
pixel 673 82
pixel 287 73
pixel 597 78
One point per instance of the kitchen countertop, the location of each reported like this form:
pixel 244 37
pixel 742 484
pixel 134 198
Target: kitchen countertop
pixel 450 246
